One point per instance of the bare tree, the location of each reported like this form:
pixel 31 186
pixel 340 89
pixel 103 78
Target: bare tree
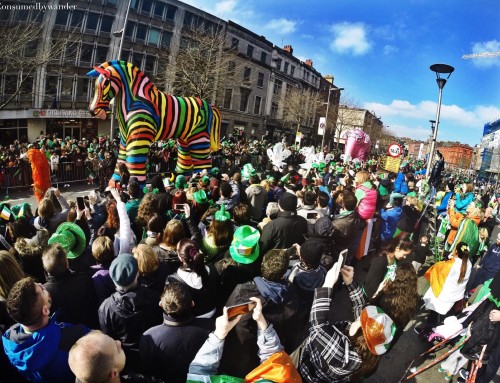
pixel 347 116
pixel 23 50
pixel 299 106
pixel 204 65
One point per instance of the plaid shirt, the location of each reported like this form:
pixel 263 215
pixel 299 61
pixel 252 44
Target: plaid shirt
pixel 329 356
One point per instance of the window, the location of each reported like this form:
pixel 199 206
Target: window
pixel 125 55
pixel 278 64
pixel 250 51
pixel 70 53
pixel 134 4
pixel 228 95
pixel 106 23
pixel 171 11
pixel 31 48
pixel 62 17
pixel 245 93
pixel 231 68
pixel 234 43
pixel 260 80
pixel 154 36
pixel 188 19
pixel 77 18
pixel 246 74
pixel 285 69
pixel 263 57
pixel 92 19
pixel 129 31
pixel 146 6
pixel 277 87
pixel 165 39
pixel 86 53
pixel 137 59
pixel 51 86
pixel 159 9
pixel 274 110
pixel 27 89
pixel 150 64
pixel 67 88
pixel 256 106
pixel 22 15
pixel 292 71
pixel 140 34
pixel 37 17
pixel 100 54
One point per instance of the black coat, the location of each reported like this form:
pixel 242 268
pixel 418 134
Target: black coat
pixel 125 316
pixel 74 298
pixel 167 350
pixel 281 233
pixel 408 219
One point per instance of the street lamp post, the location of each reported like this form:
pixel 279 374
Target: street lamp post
pixel 438 69
pixel 327 108
pixel 120 33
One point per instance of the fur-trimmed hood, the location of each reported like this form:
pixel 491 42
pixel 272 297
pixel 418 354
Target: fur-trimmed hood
pixel 29 246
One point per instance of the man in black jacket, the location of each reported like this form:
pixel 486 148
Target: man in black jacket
pixel 130 311
pixel 167 350
pixel 288 228
pixel 73 294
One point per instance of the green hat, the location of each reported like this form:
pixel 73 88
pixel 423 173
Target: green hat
pixel 248 171
pixel 245 245
pixel 21 209
pixel 71 237
pixel 214 172
pixel 222 214
pixel 322 165
pixel 205 181
pixel 180 181
pixel 285 179
pixel 411 194
pixel 315 166
pixel 200 196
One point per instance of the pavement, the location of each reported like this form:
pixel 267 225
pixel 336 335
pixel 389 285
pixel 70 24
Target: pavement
pixel 392 365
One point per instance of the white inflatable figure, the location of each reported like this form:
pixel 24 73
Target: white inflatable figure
pixel 311 157
pixel 329 158
pixel 278 154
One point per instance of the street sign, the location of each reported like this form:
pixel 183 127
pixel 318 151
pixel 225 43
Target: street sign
pixel 395 150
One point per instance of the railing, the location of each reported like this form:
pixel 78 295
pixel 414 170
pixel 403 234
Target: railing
pixel 71 172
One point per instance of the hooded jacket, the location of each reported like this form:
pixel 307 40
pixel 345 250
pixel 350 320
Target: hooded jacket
pixel 257 196
pixel 42 356
pixel 390 218
pixel 125 316
pixel 281 233
pixel 29 254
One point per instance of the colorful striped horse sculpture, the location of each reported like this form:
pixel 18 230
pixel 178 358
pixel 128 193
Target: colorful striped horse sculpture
pixel 146 115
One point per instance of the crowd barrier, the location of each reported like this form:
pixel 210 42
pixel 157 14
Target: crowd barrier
pixel 71 172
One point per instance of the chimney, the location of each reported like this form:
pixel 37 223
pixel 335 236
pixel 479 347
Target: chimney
pixel 309 62
pixel 329 78
pixel 288 48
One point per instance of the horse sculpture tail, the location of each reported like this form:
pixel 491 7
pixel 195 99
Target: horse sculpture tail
pixel 214 129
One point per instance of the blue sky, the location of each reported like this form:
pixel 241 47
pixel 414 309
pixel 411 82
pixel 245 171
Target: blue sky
pixel 380 52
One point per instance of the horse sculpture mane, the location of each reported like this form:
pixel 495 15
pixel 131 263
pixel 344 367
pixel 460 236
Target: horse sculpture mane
pixel 145 115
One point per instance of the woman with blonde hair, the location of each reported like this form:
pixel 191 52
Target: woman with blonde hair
pixel 152 272
pixel 10 273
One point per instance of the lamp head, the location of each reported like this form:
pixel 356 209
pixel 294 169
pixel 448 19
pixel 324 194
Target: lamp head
pixel 442 69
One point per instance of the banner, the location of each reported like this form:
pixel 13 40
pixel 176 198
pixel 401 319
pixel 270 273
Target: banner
pixel 391 164
pixel 321 126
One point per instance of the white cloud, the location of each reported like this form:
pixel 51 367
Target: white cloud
pixel 350 38
pixel 225 6
pixel 389 49
pixel 487 46
pixel 282 25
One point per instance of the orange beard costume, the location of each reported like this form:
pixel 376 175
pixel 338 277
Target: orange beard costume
pixel 41 173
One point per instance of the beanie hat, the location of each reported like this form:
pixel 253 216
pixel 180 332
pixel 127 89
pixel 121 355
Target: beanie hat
pixel 378 329
pixel 311 252
pixel 123 270
pixel 288 202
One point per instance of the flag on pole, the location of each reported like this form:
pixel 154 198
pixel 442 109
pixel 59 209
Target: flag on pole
pixel 5 214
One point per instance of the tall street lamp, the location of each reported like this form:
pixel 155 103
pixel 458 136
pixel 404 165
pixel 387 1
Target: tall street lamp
pixel 120 33
pixel 439 69
pixel 326 118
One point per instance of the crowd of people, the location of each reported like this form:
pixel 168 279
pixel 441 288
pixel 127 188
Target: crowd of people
pixel 245 272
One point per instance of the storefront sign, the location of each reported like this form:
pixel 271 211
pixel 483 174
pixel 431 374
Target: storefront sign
pixel 62 113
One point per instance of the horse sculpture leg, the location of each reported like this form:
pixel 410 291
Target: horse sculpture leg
pixel 136 152
pixel 184 161
pixel 199 147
